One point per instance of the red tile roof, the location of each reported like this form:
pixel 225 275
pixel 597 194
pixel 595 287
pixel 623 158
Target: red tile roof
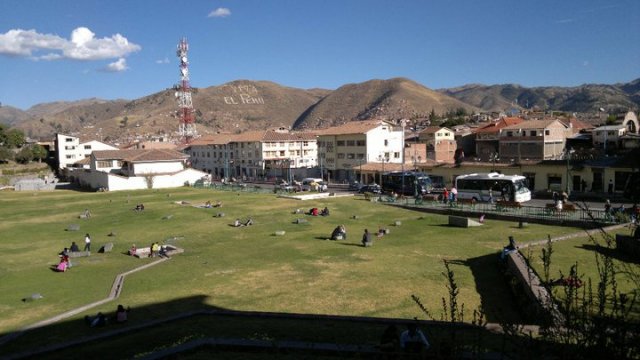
pixel 353 127
pixel 500 124
pixel 139 155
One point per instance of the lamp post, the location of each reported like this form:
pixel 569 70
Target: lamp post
pixel 382 158
pixel 493 157
pixel 567 154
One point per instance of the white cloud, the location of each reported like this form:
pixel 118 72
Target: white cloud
pixel 83 45
pixel 220 12
pixel 117 66
pixel 163 61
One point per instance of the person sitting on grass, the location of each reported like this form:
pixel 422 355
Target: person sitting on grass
pixel 207 205
pixel 97 321
pixel 249 222
pixel 121 314
pixel 313 211
pixel 339 232
pixel 133 250
pixel 366 239
pixel 74 247
pixel 218 204
pixel 324 212
pixel 237 223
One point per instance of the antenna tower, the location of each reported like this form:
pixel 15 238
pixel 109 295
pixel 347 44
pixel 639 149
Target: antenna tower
pixel 187 127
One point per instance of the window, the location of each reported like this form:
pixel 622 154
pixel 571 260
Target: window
pixel 351 156
pixel 534 133
pixel 396 155
pixel 305 143
pixel 509 133
pixel 281 152
pixel 87 147
pixel 360 156
pixel 361 143
pixel 351 142
pixel 341 156
pixel 119 163
pixel 547 132
pixel 104 164
pixel 340 143
pixel 70 156
pixel 386 142
pixel 68 139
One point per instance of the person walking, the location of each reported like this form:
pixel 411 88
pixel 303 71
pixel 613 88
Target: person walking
pixel 87 242
pixel 366 239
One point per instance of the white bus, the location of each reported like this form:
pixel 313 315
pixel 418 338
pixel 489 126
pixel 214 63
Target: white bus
pixel 503 187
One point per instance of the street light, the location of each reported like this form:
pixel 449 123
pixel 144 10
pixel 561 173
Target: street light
pixel 493 157
pixel 383 159
pixel 567 154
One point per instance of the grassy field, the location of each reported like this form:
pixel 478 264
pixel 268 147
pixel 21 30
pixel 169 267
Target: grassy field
pixel 248 268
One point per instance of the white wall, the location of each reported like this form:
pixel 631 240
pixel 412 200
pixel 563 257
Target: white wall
pixel 113 182
pixel 165 167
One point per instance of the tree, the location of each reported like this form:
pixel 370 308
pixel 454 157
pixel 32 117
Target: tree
pixel 5 154
pixel 15 138
pixel 39 153
pixel 25 155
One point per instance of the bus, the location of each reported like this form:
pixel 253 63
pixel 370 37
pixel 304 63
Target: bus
pixel 415 183
pixel 503 187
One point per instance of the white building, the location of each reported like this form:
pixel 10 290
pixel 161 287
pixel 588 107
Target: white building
pixel 71 150
pixel 342 149
pixel 136 169
pixel 254 153
pixel 609 136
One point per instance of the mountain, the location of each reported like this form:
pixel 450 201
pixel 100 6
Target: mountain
pixel 235 106
pixel 583 98
pixel 391 99
pixel 11 116
pixel 249 105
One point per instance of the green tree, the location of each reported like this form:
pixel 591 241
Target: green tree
pixel 25 155
pixel 15 138
pixel 39 153
pixel 5 154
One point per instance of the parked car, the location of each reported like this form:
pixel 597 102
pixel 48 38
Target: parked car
pixel 355 186
pixel 371 188
pixel 312 184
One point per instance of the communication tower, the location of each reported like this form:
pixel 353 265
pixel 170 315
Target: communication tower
pixel 187 127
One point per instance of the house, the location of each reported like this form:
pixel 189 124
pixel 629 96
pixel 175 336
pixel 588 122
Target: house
pixel 488 137
pixel 71 150
pixel 441 143
pixel 136 169
pixel 343 149
pixel 533 139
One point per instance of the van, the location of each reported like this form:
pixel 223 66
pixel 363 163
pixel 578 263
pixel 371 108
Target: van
pixel 318 184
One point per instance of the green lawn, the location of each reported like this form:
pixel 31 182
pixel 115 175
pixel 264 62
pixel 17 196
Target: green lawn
pixel 245 268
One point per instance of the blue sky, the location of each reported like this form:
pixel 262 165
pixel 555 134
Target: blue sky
pixel 78 49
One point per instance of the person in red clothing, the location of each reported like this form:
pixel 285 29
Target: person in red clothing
pixel 445 195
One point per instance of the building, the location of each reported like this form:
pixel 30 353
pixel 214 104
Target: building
pixel 343 149
pixel 255 154
pixel 136 169
pixel 609 137
pixel 440 142
pixel 71 149
pixel 488 137
pixel 534 140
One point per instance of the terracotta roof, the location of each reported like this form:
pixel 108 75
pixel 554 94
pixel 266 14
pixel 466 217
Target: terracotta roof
pixel 502 123
pixel 215 139
pixel 533 124
pixel 577 124
pixel 433 130
pixel 139 155
pixel 353 127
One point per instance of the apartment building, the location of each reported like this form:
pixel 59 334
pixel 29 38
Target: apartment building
pixel 533 140
pixel 71 150
pixel 342 149
pixel 488 137
pixel 254 153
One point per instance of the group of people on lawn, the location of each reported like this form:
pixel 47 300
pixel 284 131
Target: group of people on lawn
pixel 65 263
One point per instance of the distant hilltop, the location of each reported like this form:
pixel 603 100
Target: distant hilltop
pixel 249 105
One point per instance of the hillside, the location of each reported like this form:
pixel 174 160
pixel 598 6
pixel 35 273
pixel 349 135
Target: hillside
pixel 11 116
pixel 584 98
pixel 248 105
pixel 235 106
pixel 391 99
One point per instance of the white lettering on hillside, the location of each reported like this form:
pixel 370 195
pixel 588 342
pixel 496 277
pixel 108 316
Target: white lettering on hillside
pixel 243 94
